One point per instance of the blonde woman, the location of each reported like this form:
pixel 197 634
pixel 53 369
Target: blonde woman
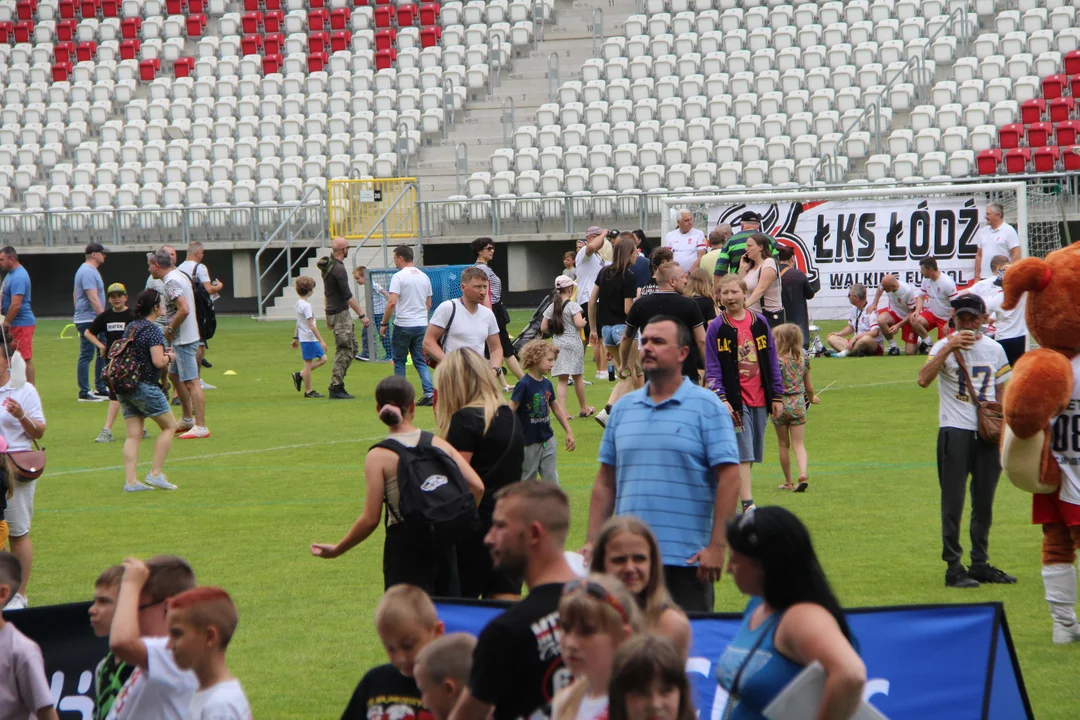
pixel 474 417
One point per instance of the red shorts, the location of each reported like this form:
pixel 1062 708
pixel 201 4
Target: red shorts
pixel 1052 509
pixel 22 337
pixel 906 332
pixel 933 321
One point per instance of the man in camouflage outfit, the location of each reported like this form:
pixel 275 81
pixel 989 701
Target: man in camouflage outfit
pixel 339 300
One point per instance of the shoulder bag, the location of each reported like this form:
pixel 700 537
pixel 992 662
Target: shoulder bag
pixel 432 362
pixel 29 464
pixel 989 413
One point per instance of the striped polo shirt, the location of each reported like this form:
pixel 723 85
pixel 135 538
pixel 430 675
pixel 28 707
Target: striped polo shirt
pixel 664 457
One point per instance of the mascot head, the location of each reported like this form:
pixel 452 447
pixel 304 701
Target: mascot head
pixel 1053 289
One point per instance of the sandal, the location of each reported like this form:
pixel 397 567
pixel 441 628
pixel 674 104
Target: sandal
pixel 785 486
pixel 802 485
pixel 587 412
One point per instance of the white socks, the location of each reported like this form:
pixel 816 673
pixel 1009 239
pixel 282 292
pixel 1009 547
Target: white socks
pixel 842 353
pixel 1059 580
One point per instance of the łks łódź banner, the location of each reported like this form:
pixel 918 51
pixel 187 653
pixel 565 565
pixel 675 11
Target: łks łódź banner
pixel 841 242
pixel 953 662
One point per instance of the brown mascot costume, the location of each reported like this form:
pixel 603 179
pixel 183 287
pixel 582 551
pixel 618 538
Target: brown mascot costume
pixel 1041 439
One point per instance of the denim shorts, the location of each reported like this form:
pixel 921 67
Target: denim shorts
pixel 186 366
pixel 752 438
pixel 612 334
pixel 311 350
pixel 145 401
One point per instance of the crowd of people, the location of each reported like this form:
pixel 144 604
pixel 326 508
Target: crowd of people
pixel 705 342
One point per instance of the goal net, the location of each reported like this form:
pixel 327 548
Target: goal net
pixel 859 234
pixel 445 285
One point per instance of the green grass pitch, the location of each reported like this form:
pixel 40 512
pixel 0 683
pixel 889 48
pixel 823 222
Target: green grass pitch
pixel 281 472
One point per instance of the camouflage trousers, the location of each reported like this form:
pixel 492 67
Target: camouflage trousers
pixel 341 325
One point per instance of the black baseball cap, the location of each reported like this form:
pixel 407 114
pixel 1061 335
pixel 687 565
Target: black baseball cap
pixel 969 303
pixel 95 247
pixel 752 216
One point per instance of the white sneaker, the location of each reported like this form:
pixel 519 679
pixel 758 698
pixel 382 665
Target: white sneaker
pixel 104 436
pixel 1062 635
pixel 205 385
pixel 137 487
pixel 601 374
pixel 601 417
pixel 195 433
pixel 18 602
pixel 158 481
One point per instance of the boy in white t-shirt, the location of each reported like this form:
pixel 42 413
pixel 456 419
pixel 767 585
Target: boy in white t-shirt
pixel 201 622
pixel 307 338
pixel 158 688
pixel 932 307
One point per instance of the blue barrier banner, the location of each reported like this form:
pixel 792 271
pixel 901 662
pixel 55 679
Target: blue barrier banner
pixel 953 662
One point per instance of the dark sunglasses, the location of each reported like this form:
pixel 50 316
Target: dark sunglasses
pixel 597 591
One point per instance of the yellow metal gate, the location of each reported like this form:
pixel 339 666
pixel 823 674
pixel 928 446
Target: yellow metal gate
pixel 356 206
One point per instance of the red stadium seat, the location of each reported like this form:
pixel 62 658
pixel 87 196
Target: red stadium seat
pixel 318 42
pixel 64 52
pixel 1032 111
pixel 385 38
pixel 67 9
pixel 316 3
pixel 318 19
pixel 85 51
pixel 24 31
pixel 7 31
pixel 252 22
pixel 1045 158
pixel 183 67
pixel 61 71
pixel 384 59
pixel 316 62
pixel 273 21
pixel 1053 86
pixel 129 49
pixel 130 27
pixel 340 18
pixel 340 40
pixel 1060 109
pixel 89 9
pixel 148 69
pixel 273 43
pixel 195 24
pixel 383 16
pixel 406 15
pixel 1070 157
pixel 1016 160
pixel 110 8
pixel 175 7
pixel 988 161
pixel 429 36
pixel 1038 134
pixel 1072 62
pixel 272 4
pixel 382 2
pixel 429 13
pixel 251 5
pixel 271 64
pixel 1074 85
pixel 251 44
pixel 1009 135
pixel 1067 132
pixel 24 10
pixel 360 3
pixel 196 6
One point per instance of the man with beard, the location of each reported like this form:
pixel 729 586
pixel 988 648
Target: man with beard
pixel 517 664
pixel 670 457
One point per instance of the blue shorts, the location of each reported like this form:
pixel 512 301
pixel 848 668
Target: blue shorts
pixel 146 401
pixel 186 367
pixel 612 334
pixel 311 350
pixel 752 438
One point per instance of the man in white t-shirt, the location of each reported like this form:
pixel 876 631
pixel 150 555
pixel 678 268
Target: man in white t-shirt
pixel 898 314
pixel 960 450
pixel 195 269
pixel 932 307
pixel 686 241
pixel 465 322
pixel 862 327
pixel 409 305
pixel 1010 326
pixel 589 263
pixel 997 237
pixel 182 334
pixel 157 689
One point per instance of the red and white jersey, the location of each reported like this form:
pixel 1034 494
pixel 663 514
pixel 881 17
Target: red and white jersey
pixel 939 293
pixel 864 321
pixel 1008 323
pixel 1065 441
pixel 902 300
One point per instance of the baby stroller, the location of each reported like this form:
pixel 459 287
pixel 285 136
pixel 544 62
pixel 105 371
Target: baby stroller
pixel 532 329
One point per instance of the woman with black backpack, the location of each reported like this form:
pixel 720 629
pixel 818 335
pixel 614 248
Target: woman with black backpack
pixel 430 493
pixel 146 399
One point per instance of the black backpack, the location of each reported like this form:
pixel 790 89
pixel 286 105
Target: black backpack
pixel 204 306
pixel 434 500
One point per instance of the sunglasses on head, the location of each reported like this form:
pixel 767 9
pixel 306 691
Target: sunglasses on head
pixel 745 533
pixel 598 592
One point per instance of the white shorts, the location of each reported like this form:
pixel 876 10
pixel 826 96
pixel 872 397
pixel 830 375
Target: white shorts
pixel 20 508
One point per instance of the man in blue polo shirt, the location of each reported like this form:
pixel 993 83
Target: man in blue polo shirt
pixel 670 457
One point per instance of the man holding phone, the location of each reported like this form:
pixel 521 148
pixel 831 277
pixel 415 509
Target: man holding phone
pixel 960 450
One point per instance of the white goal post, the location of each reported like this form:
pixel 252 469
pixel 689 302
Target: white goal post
pixel 858 234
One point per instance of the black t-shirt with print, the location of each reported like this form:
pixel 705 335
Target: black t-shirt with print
pixel 497 456
pixel 611 297
pixel 517 663
pixel 385 694
pixel 678 306
pixel 112 324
